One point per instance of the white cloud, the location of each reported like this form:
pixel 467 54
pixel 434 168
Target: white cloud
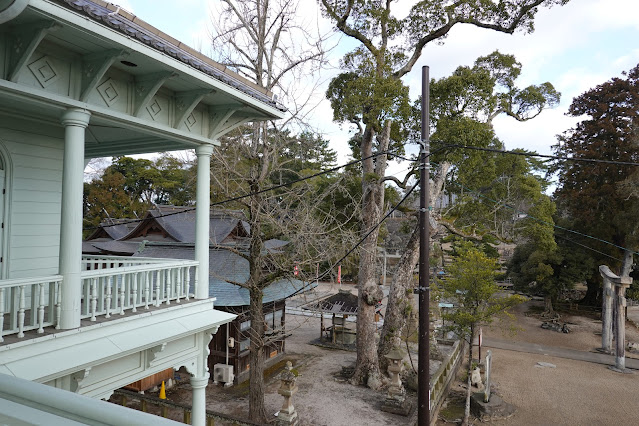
pixel 576 47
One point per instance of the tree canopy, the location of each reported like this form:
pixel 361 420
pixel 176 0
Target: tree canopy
pixel 128 187
pixel 600 199
pixel 388 48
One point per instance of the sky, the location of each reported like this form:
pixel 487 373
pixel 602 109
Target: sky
pixel 575 47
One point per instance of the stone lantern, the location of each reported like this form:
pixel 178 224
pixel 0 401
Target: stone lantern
pixel 395 368
pixel 288 387
pixel 395 401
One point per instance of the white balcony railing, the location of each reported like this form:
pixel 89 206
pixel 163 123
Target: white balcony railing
pixel 114 285
pixel 110 286
pixel 29 304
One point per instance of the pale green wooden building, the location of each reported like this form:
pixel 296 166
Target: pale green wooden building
pixel 81 79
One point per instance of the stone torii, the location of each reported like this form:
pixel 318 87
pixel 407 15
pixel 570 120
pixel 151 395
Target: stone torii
pixel 618 294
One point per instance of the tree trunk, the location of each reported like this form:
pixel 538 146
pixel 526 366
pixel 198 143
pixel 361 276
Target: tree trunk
pixel 399 296
pixel 470 372
pixel 399 304
pixel 257 412
pixel 593 291
pixel 548 308
pixel 367 368
pixel 467 405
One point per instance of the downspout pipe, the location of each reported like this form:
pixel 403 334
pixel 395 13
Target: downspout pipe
pixel 9 9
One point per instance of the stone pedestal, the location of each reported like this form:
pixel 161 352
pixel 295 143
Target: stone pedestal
pixel 287 415
pixel 395 401
pixel 494 409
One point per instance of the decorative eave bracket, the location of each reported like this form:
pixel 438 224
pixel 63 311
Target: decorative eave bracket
pixel 218 116
pixel 185 103
pixel 224 119
pixel 79 379
pixel 147 86
pixel 94 66
pixel 26 39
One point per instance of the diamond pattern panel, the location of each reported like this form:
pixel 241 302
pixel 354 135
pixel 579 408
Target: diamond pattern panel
pixel 190 121
pixel 44 71
pixel 154 109
pixel 109 91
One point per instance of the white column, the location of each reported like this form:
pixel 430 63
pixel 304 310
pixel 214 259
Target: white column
pixel 202 219
pixel 198 410
pixel 75 122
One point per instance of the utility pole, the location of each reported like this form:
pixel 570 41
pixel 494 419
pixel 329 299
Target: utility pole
pixel 423 389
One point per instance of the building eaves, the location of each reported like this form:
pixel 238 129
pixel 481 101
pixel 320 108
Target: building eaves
pixel 132 26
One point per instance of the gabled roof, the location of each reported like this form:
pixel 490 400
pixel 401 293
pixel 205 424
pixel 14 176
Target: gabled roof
pixel 113 229
pixel 177 224
pixel 343 303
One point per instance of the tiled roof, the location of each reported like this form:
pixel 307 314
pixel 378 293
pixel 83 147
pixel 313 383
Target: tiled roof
pixel 344 302
pixel 116 247
pixel 132 26
pixel 181 226
pixel 225 266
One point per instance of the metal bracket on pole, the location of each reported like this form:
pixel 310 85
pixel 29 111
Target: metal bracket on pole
pixel 425 145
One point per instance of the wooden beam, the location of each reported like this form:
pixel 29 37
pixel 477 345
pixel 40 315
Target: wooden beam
pixel 94 66
pixel 218 117
pixel 230 124
pixel 146 86
pixel 24 41
pixel 185 103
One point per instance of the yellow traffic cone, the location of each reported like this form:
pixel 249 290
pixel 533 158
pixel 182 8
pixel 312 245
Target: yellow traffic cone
pixel 162 391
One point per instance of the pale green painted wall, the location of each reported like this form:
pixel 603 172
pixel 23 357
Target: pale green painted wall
pixel 35 175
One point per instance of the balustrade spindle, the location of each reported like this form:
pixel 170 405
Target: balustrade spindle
pixel 178 284
pixel 122 293
pixel 108 296
pixel 135 292
pixel 169 282
pixel 2 307
pixel 158 287
pixel 147 289
pixel 58 305
pixel 23 303
pixel 94 297
pixel 187 281
pixel 41 309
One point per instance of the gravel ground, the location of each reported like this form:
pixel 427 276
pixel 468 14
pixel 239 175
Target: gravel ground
pixel 573 393
pixel 324 397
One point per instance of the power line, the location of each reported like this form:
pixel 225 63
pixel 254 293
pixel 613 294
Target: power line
pixel 548 223
pixel 370 231
pixel 589 248
pixel 270 188
pixel 551 157
pixel 389 153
